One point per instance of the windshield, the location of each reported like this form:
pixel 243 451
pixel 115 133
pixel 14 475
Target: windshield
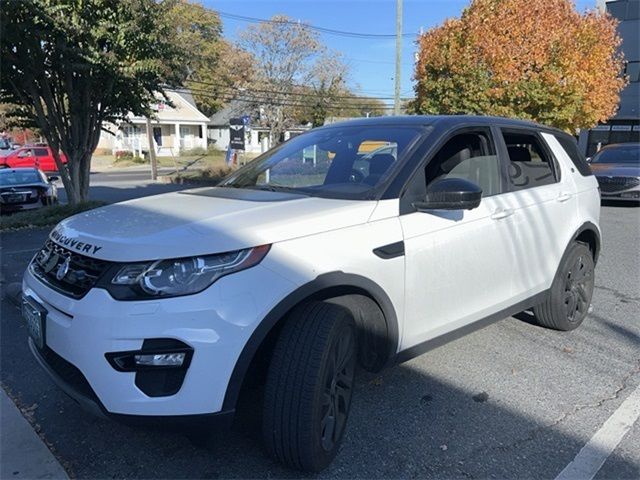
pixel 19 177
pixel 624 154
pixel 336 162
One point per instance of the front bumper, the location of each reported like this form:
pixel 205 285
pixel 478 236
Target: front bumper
pixel 19 207
pixel 71 381
pixel 215 323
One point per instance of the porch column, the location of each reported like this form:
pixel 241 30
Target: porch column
pixel 203 140
pixel 176 141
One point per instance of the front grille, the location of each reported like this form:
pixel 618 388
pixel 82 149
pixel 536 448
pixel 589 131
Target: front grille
pixel 617 184
pixel 81 275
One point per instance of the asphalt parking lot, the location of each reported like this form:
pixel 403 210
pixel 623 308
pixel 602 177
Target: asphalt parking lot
pixel 510 401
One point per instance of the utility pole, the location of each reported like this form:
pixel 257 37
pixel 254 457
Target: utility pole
pixel 396 105
pixel 152 152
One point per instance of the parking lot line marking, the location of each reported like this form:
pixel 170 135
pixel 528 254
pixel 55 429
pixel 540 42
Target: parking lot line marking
pixel 593 455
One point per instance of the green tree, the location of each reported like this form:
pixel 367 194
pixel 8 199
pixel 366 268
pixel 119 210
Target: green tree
pixel 71 65
pixel 213 65
pixel 533 59
pixel 214 84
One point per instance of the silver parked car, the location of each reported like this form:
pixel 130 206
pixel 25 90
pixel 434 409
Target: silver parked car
pixel 617 168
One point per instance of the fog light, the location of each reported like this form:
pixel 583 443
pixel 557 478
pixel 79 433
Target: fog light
pixel 160 359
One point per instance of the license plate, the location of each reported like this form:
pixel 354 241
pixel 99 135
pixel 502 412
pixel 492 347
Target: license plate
pixel 35 316
pixel 16 198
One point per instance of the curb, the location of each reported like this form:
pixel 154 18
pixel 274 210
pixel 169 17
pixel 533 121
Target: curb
pixel 23 453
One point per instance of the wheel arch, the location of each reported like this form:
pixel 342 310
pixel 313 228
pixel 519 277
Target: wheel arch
pixel 371 307
pixel 589 233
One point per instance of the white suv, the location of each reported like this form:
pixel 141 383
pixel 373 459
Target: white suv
pixel 315 257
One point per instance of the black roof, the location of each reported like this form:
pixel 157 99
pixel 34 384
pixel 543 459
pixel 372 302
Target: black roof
pixel 441 120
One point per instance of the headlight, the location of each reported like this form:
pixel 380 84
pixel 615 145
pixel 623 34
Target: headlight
pixel 179 276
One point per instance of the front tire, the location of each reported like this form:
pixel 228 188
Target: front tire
pixel 570 295
pixel 309 386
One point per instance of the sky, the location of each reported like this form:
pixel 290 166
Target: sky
pixel 371 61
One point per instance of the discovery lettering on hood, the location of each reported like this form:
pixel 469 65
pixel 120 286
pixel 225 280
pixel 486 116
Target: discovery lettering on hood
pixel 72 243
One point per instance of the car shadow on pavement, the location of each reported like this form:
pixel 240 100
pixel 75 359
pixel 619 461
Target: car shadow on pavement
pixel 404 423
pixel 620 203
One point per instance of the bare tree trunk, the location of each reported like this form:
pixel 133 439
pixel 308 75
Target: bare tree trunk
pixel 63 170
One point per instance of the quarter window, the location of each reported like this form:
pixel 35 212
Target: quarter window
pixel 530 165
pixel 470 156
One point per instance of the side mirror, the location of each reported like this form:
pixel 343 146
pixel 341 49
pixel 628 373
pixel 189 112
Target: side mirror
pixel 53 178
pixel 451 194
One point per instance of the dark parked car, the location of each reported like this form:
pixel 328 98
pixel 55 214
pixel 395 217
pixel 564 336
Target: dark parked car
pixel 26 189
pixel 617 168
pixel 38 156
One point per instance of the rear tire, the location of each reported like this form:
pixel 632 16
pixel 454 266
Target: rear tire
pixel 570 295
pixel 309 386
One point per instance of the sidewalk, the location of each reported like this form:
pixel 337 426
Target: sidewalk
pixel 22 453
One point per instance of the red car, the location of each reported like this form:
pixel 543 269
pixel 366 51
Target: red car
pixel 34 157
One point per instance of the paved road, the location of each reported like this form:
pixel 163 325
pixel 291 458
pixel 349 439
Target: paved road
pixel 510 401
pixel 117 186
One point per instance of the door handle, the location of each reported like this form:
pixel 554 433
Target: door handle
pixel 563 197
pixel 500 214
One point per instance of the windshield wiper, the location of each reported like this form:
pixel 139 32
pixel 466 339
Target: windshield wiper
pixel 274 188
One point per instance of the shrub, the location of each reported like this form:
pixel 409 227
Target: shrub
pixel 45 216
pixel 208 176
pixel 123 154
pixel 194 152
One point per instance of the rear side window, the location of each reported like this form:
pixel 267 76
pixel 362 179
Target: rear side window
pixel 530 165
pixel 41 152
pixel 571 147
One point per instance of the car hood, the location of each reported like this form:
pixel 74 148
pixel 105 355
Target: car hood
pixel 615 170
pixel 203 221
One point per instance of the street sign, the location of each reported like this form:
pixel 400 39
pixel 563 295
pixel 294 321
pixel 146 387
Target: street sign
pixel 236 133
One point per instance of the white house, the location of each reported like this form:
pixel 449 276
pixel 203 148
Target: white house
pixel 175 128
pixel 256 136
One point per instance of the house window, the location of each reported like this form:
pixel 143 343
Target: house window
pixel 130 131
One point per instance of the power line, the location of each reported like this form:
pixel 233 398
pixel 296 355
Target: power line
pixel 261 100
pixel 329 31
pixel 264 100
pixel 303 94
pixel 362 60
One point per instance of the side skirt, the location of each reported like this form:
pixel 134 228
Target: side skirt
pixel 434 343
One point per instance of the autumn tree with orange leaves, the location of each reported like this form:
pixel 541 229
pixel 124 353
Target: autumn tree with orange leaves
pixel 533 59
